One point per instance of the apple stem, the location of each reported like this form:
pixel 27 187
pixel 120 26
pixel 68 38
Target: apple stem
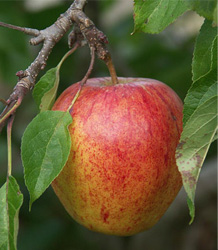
pixel 76 46
pixel 91 65
pixel 112 70
pixel 85 78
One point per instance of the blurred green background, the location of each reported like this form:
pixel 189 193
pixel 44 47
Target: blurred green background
pixel 166 57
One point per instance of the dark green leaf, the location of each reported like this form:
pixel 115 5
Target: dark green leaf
pixel 203 50
pixel 11 201
pixel 45 90
pixel 45 149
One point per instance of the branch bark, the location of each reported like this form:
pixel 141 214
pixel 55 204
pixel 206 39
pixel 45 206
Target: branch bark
pixel 84 32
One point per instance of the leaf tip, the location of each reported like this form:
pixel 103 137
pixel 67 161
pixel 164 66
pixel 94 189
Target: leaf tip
pixel 30 204
pixel 191 210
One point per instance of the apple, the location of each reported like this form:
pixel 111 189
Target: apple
pixel 121 175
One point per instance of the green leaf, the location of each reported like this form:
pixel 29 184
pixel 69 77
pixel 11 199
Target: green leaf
pixel 196 138
pixel 45 90
pixel 206 8
pixel 45 149
pixel 200 116
pixel 11 201
pixel 200 113
pixel 203 88
pixel 215 136
pixel 191 210
pixel 153 16
pixel 203 50
pixel 215 16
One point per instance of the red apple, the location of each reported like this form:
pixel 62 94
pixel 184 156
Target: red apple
pixel 121 175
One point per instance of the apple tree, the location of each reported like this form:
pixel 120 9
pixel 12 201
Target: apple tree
pixel 43 161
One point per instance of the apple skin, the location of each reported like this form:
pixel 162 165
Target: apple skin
pixel 121 175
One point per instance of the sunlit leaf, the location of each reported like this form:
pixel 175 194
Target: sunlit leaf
pixel 153 16
pixel 45 90
pixel 45 149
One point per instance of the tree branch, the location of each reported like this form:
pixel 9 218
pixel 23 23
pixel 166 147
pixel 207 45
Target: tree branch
pixel 84 32
pixel 28 31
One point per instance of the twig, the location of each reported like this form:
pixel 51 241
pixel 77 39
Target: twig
pixel 28 31
pixel 84 32
pixel 49 37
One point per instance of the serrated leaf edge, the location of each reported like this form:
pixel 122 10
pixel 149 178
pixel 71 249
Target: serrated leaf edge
pixel 191 195
pixel 30 192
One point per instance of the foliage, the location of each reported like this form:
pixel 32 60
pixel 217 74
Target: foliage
pixel 11 201
pixel 153 16
pixel 45 149
pixel 200 104
pixel 44 158
pixel 200 112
